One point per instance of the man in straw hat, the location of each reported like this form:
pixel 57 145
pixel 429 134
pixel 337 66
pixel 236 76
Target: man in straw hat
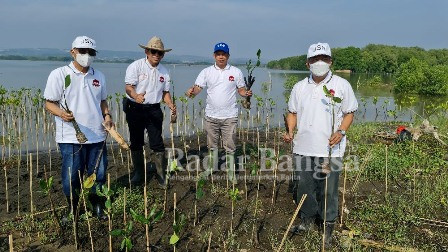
pixel 223 82
pixel 312 108
pixel 77 91
pixel 147 84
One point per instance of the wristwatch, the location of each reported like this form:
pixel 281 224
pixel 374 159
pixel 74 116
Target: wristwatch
pixel 342 132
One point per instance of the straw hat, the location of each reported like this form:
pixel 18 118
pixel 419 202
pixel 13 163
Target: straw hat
pixel 156 44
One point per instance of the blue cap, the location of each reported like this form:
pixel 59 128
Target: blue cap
pixel 221 47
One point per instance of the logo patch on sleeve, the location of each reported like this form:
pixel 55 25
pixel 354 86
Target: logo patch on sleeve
pixel 161 79
pixel 231 78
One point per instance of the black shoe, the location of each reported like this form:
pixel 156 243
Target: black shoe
pixel 305 225
pixel 98 206
pixel 329 226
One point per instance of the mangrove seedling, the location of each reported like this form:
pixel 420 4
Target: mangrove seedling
pixel 79 135
pixel 153 217
pixel 46 185
pixel 125 233
pixel 178 226
pixel 250 79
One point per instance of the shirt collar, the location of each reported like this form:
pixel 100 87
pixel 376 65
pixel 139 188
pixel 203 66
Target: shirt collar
pixel 149 64
pixel 325 81
pixel 225 68
pixel 73 68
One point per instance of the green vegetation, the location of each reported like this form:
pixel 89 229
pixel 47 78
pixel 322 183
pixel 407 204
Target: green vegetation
pixel 419 77
pixel 370 59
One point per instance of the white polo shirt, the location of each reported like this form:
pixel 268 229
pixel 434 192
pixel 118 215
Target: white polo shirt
pixel 222 85
pixel 153 80
pixel 83 96
pixel 313 110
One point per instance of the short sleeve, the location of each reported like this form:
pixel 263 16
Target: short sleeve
pixel 293 102
pixel 54 88
pixel 131 74
pixel 201 79
pixel 104 89
pixel 240 80
pixel 166 88
pixel 349 102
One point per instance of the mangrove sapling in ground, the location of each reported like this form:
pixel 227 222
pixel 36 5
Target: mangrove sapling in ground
pixel 125 234
pixel 46 185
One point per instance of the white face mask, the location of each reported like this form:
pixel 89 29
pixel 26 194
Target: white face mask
pixel 84 59
pixel 320 68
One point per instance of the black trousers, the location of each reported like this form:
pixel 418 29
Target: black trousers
pixel 141 117
pixel 309 180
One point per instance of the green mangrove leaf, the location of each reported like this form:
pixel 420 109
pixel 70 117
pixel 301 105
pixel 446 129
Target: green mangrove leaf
pixel 326 91
pixel 90 181
pixel 116 232
pixel 50 182
pixel 174 239
pixel 123 243
pixel 337 99
pixel 128 243
pixel 68 81
pixel 108 204
pixel 42 185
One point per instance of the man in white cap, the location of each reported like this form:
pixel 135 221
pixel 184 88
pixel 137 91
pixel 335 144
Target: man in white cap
pixel 76 95
pixel 223 81
pixel 147 84
pixel 311 110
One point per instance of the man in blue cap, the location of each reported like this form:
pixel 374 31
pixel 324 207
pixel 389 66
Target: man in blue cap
pixel 222 81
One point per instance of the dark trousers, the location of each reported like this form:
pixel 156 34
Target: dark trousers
pixel 141 117
pixel 309 180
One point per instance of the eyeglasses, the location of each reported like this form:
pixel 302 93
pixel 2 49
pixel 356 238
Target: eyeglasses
pixel 91 52
pixel 160 53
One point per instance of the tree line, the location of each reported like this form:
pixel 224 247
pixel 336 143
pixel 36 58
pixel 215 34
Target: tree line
pixel 415 70
pixel 370 59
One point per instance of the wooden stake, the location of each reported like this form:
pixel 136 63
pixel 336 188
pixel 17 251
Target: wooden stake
pixel 31 188
pixel 291 222
pixel 343 195
pixel 11 246
pixel 75 214
pixel 6 188
pixel 325 212
pixel 85 209
pixel 146 204
pixel 209 241
pixel 386 168
pixel 108 215
pixel 174 216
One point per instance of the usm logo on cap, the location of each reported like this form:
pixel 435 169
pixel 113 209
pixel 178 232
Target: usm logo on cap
pixel 87 41
pixel 319 47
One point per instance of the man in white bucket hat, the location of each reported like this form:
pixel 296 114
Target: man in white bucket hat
pixel 147 84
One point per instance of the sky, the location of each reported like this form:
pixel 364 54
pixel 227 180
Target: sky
pixel 280 28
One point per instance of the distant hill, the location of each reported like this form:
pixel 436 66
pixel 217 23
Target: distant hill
pixel 103 55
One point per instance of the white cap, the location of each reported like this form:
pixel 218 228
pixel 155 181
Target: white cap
pixel 84 42
pixel 318 49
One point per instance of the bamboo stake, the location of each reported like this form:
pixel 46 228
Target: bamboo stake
pixel 124 206
pixel 31 188
pixel 209 241
pixel 291 222
pixel 75 215
pixel 146 204
pixel 129 169
pixel 245 169
pixel 325 212
pixel 174 216
pixel 11 246
pixel 343 195
pixel 386 169
pixel 85 209
pixel 6 188
pixel 108 215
